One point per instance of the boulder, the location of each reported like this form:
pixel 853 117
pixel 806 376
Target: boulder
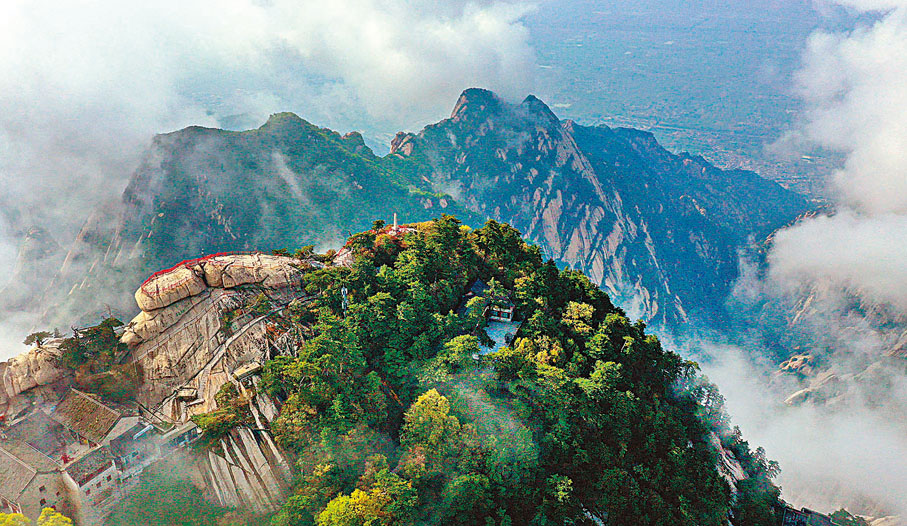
pixel 244 269
pixel 196 324
pixel 222 271
pixel 36 367
pixel 166 288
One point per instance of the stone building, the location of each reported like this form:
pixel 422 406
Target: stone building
pixel 72 459
pixel 31 481
pixel 97 479
pixel 500 323
pixel 500 308
pixel 804 517
pixel 135 449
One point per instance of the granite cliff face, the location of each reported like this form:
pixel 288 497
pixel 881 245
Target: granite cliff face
pixel 204 324
pixel 284 185
pixel 210 322
pixel 204 319
pixel 835 346
pixel 660 232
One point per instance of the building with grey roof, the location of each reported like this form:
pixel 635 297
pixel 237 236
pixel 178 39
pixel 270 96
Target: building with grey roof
pixel 31 480
pixel 86 416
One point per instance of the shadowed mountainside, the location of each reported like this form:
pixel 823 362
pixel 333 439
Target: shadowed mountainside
pixel 658 231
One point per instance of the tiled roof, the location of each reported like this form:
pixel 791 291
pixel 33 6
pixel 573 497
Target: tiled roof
pixel 14 475
pixel 478 288
pixel 125 443
pixel 85 468
pixel 29 456
pixel 85 415
pixel 40 432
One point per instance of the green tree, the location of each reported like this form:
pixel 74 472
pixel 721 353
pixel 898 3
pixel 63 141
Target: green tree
pixel 428 422
pixel 755 506
pixel 456 355
pixel 584 413
pixel 51 517
pixel 578 318
pixel 844 518
pixel 37 338
pixel 14 519
pixel 389 502
pixel 467 500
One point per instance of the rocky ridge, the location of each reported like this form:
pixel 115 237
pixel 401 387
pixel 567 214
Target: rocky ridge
pixel 179 343
pixel 29 376
pixel 181 340
pixel 204 323
pixel 659 231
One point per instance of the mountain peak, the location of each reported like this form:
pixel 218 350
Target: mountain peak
pixel 283 117
pixel 475 100
pixel 535 106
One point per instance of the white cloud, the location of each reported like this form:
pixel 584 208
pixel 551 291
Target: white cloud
pixel 872 5
pixel 85 84
pixel 854 86
pixel 857 252
pixel 849 455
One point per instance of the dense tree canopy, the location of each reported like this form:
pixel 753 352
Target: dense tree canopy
pixel 583 419
pixel 48 517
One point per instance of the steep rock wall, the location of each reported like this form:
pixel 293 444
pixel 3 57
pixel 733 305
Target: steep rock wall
pixel 246 469
pixel 658 231
pixel 198 324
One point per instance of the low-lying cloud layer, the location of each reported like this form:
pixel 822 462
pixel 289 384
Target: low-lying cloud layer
pixel 841 281
pixel 851 455
pixel 859 252
pixel 854 86
pixel 855 89
pixel 85 85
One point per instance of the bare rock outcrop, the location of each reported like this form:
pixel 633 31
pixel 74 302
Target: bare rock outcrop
pixel 203 319
pixel 202 322
pixel 246 470
pixel 658 231
pixel 36 367
pixel 728 465
pixel 802 364
pixel 190 278
pixel 169 287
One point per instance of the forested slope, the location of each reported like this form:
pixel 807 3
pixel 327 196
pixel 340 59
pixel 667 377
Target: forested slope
pixel 584 418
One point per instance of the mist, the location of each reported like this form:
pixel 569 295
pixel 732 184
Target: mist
pixel 84 86
pixel 851 454
pixel 854 86
pixel 834 288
